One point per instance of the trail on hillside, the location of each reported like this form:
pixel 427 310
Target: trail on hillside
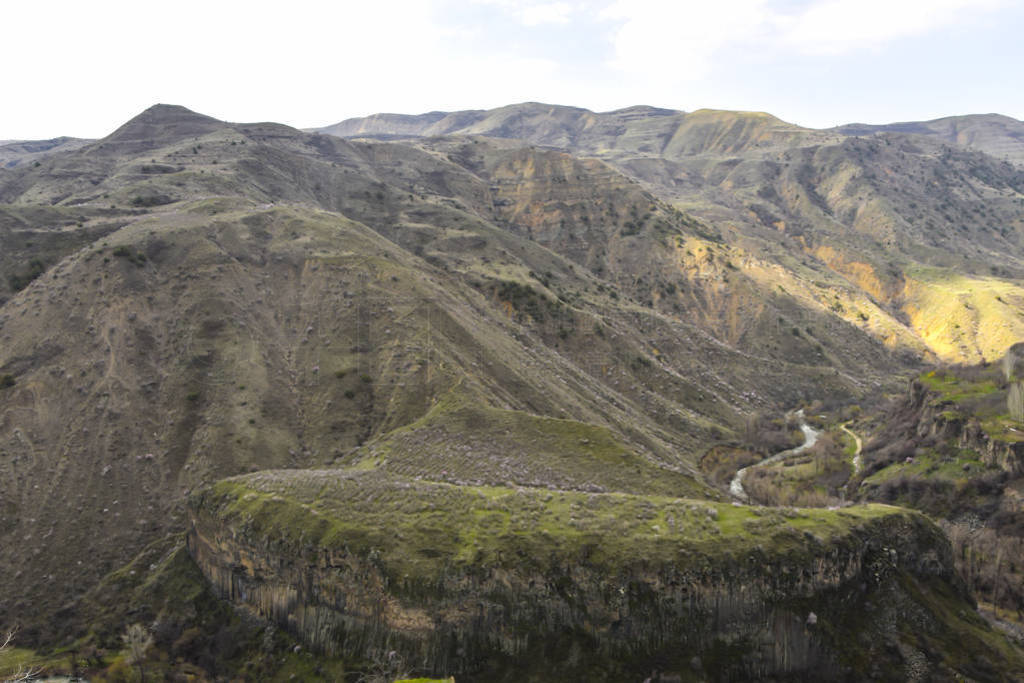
pixel 857 461
pixel 810 438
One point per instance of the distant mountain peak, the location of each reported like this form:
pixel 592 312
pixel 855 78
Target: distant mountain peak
pixel 643 109
pixel 170 114
pixel 737 114
pixel 995 134
pixel 158 125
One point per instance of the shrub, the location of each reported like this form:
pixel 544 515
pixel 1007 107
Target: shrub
pixel 151 169
pixel 139 259
pixel 20 281
pixel 7 381
pixel 638 362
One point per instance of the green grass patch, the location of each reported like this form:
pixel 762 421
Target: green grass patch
pixel 462 440
pixel 974 393
pixel 1003 428
pixel 417 529
pixel 931 463
pixel 848 442
pixel 952 387
pixel 17 659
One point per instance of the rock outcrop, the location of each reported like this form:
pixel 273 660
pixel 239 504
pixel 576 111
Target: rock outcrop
pixel 556 586
pixel 942 419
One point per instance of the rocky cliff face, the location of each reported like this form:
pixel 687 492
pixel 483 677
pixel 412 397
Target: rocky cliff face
pixel 942 419
pixel 784 602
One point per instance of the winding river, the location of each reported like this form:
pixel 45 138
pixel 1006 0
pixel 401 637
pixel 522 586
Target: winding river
pixel 810 438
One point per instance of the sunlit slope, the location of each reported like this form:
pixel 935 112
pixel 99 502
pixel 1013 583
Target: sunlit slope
pixel 962 317
pixel 851 211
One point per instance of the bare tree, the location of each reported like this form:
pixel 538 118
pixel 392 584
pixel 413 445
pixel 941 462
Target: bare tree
pixel 22 673
pixel 1012 362
pixel 997 579
pixel 138 641
pixel 385 668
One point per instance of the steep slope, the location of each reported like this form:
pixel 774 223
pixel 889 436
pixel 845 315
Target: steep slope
pixel 205 315
pixel 896 219
pixel 188 349
pixel 506 220
pixel 36 237
pixel 467 315
pixel 867 230
pixel 158 126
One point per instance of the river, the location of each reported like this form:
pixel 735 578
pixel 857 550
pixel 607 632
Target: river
pixel 810 438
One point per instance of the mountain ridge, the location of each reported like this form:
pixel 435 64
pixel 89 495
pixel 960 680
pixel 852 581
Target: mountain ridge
pixel 927 127
pixel 996 134
pixel 858 206
pixel 214 303
pixel 189 300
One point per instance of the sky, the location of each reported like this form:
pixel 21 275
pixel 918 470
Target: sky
pixel 82 68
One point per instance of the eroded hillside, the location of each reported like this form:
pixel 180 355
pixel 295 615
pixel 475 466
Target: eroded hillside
pixel 874 225
pixel 189 300
pixel 216 298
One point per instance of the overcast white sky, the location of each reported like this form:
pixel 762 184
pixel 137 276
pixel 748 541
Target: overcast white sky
pixel 82 68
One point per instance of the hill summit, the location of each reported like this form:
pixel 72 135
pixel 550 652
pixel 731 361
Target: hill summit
pixel 158 125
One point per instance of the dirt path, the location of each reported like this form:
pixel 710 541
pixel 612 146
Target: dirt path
pixel 857 462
